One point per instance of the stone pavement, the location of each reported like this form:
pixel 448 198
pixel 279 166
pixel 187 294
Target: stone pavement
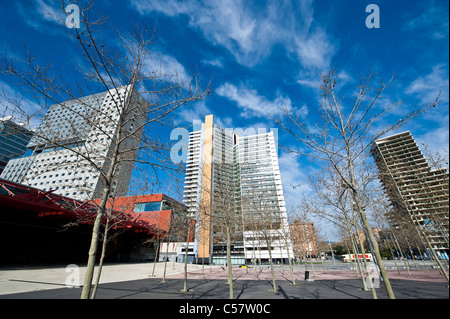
pixel 131 281
pixel 37 278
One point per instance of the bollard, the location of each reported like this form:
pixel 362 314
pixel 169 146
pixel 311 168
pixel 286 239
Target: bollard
pixel 306 275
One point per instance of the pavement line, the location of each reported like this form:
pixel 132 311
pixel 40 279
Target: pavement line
pixel 37 282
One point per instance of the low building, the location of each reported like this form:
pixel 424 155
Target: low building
pixel 43 227
pixel 176 252
pixel 304 240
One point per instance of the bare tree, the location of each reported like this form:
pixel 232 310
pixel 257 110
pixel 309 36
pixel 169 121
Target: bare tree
pixel 344 134
pixel 264 222
pixel 145 97
pixel 225 217
pixel 333 204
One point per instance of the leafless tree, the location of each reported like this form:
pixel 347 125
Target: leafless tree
pixel 264 223
pixel 225 217
pixel 335 205
pixel 344 133
pixel 150 96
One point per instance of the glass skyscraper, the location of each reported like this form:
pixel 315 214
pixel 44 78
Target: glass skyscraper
pixel 73 145
pixel 13 140
pixel 232 178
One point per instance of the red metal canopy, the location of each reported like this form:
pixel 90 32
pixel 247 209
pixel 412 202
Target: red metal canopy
pixel 46 204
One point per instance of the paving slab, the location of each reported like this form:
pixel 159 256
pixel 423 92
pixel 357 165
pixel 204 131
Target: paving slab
pixel 132 281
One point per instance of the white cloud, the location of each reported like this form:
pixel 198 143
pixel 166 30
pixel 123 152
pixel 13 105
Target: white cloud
pixel 427 87
pixel 165 67
pixel 436 139
pixel 430 22
pixel 309 80
pixel 191 112
pixel 22 109
pixel 314 50
pixel 43 15
pixel 215 62
pixel 252 104
pixel 50 11
pixel 250 33
pixel 303 112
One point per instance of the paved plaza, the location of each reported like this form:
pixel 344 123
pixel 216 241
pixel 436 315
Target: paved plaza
pixel 134 281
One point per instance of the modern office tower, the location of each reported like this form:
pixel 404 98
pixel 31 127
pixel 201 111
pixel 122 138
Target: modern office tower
pixel 75 141
pixel 236 179
pixel 13 140
pixel 417 192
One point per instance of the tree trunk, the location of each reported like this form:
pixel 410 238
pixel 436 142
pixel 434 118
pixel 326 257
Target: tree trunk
pixel 156 258
pixel 230 268
pixel 291 268
pixel 393 257
pixel 93 248
pixel 186 257
pixel 376 250
pixel 272 269
pixel 357 261
pixel 102 256
pixel 401 254
pixel 363 253
pixel 165 263
pixel 441 267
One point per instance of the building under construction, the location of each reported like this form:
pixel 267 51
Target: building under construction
pixel 419 194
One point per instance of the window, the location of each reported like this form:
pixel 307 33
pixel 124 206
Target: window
pixel 147 207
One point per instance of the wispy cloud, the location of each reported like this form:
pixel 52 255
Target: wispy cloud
pixel 215 62
pixel 196 111
pixel 431 22
pixel 250 32
pixel 42 15
pixel 314 50
pixel 253 104
pixel 165 67
pixel 21 108
pixel 427 87
pixel 437 139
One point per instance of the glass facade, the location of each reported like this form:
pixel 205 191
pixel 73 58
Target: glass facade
pixel 147 207
pixel 245 180
pixel 13 140
pixel 69 150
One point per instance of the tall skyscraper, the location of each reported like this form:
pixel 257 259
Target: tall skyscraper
pixel 416 191
pixel 13 140
pixel 74 142
pixel 239 174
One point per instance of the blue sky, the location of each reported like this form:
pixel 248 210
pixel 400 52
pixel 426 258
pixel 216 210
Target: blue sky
pixel 262 55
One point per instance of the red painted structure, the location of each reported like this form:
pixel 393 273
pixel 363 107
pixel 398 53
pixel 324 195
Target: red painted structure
pixel 49 205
